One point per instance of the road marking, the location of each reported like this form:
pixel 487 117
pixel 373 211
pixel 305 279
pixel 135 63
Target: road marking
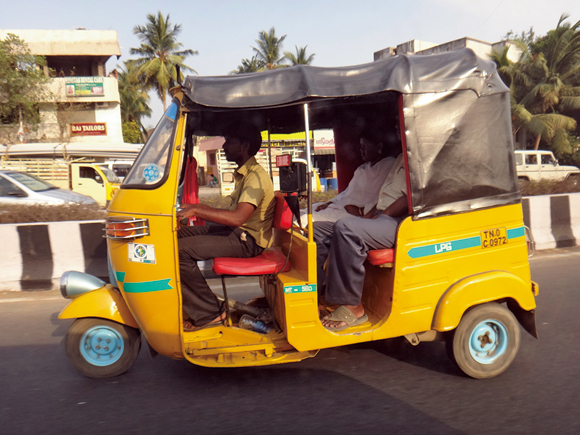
pixel 28 299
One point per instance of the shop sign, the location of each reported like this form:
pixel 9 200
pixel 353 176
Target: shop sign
pixel 88 129
pixel 84 87
pixel 323 139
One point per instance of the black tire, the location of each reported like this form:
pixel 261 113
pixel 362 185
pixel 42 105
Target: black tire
pixel 118 351
pixel 486 341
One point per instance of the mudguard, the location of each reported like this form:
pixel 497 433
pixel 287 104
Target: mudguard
pixel 105 302
pixel 479 289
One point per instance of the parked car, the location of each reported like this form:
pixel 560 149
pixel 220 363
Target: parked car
pixel 22 188
pixel 536 164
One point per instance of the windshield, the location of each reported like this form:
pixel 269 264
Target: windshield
pixel 149 167
pixel 110 175
pixel 32 182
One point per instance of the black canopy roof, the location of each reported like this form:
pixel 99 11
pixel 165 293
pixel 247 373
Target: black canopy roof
pixel 407 74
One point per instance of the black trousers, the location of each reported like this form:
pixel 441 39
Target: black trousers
pixel 200 243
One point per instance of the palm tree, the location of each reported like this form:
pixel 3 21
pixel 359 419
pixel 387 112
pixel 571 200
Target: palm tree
pixel 160 53
pixel 300 58
pixel 133 96
pixel 541 87
pixel 249 65
pixel 269 49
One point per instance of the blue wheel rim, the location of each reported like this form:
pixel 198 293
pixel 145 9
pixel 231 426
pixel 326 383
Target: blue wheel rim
pixel 488 341
pixel 102 346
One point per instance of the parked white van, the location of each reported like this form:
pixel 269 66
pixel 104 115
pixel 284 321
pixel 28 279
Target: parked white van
pixel 536 164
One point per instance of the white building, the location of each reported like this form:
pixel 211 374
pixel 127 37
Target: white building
pixel 481 48
pixel 85 104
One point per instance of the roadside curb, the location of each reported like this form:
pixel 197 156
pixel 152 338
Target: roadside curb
pixel 553 219
pixel 35 255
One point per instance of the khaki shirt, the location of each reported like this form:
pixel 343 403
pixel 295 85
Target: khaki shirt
pixel 254 186
pixel 394 186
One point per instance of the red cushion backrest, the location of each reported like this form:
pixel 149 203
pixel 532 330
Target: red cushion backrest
pixel 283 214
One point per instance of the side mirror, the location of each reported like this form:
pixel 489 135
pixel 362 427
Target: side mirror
pixel 98 179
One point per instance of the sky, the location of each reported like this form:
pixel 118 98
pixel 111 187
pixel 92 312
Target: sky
pixel 338 32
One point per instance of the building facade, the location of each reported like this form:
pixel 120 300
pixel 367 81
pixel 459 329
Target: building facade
pixel 481 48
pixel 84 106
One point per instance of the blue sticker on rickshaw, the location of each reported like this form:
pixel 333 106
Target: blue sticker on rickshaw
pixel 152 173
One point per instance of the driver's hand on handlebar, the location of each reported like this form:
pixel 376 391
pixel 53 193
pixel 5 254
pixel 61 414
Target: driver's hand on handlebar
pixel 185 212
pixel 323 206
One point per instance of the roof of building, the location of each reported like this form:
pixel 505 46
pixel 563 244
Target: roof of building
pixel 69 42
pixel 56 150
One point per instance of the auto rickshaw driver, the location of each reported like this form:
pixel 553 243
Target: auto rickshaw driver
pixel 243 231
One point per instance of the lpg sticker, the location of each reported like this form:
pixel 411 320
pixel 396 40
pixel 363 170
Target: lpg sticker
pixel 152 173
pixel 300 288
pixel 442 248
pixel 140 253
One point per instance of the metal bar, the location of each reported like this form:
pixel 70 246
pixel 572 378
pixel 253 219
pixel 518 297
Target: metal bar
pixel 228 317
pixel 309 168
pixel 270 153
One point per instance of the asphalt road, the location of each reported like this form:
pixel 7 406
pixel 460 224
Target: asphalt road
pixel 358 389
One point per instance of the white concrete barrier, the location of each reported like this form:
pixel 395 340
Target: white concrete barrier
pixel 34 256
pixel 553 219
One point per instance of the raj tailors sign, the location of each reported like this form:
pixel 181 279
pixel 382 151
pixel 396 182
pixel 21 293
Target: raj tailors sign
pixel 84 87
pixel 89 129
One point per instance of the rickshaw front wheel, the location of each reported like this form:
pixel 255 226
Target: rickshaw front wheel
pixel 486 341
pixel 101 348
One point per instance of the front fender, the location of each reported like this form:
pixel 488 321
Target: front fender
pixel 479 289
pixel 105 302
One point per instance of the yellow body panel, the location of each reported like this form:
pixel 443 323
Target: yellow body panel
pixel 479 289
pixel 404 299
pixel 105 302
pixel 152 290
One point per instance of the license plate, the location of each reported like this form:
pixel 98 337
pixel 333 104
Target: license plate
pixel 493 238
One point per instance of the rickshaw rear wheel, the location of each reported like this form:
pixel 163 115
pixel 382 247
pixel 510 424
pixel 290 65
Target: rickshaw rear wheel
pixel 101 348
pixel 486 341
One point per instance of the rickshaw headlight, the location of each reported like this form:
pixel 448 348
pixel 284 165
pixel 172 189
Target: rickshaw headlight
pixel 73 284
pixel 126 228
pixel 121 229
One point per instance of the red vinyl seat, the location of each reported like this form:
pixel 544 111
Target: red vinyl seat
pixel 268 262
pixel 381 257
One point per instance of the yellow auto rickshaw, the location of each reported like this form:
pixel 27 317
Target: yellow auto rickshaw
pixel 459 271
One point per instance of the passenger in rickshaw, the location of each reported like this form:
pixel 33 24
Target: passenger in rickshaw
pixel 363 189
pixel 346 244
pixel 243 231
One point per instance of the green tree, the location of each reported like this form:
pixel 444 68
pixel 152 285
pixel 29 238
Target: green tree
pixel 131 132
pixel 300 58
pixel 543 87
pixel 134 98
pixel 22 83
pixel 249 65
pixel 160 52
pixel 553 95
pixel 269 50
